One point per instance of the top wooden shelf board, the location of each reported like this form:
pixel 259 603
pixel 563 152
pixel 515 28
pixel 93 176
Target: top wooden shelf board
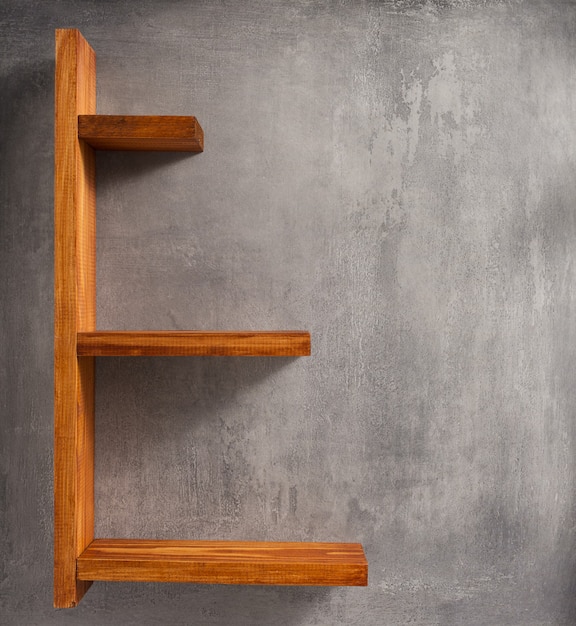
pixel 170 133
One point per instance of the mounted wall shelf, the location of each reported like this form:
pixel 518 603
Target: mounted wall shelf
pixel 193 343
pixel 79 558
pixel 141 132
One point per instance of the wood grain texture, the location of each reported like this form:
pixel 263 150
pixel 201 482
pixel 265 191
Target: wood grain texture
pixel 75 306
pixel 194 343
pixel 142 132
pixel 79 559
pixel 224 562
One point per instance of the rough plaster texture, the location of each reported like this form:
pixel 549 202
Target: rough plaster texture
pixel 398 177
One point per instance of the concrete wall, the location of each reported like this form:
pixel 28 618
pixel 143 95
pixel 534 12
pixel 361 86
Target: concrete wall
pixel 396 176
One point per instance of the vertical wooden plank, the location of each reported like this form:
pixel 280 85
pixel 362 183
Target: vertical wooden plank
pixel 74 283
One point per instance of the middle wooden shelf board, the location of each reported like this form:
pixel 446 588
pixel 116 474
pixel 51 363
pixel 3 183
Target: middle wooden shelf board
pixel 193 343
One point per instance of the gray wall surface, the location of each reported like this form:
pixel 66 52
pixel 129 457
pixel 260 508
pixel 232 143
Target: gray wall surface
pixel 396 176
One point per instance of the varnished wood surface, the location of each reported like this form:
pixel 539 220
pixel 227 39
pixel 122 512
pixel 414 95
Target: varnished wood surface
pixel 142 132
pixel 194 343
pixel 79 559
pixel 224 562
pixel 75 306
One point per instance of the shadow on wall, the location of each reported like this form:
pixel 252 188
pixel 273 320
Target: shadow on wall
pixel 180 443
pixel 116 168
pixel 213 604
pixel 26 162
pixel 26 328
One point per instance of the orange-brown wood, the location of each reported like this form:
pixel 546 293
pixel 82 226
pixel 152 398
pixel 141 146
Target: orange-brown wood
pixel 74 281
pixel 194 343
pixel 142 132
pixel 224 562
pixel 78 558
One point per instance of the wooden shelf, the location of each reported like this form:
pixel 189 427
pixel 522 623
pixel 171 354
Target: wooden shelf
pixel 224 562
pixel 193 343
pixel 80 559
pixel 142 132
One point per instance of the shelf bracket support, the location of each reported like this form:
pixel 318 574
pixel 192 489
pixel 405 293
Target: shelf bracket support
pixel 75 311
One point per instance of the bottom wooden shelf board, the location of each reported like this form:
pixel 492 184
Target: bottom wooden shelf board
pixel 224 562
